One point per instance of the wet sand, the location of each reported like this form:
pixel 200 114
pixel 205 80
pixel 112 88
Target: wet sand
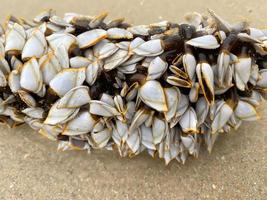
pixel 32 169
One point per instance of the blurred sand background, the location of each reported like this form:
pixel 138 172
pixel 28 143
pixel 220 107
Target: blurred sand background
pixel 32 169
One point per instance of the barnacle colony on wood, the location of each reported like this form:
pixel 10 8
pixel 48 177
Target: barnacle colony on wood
pixel 164 88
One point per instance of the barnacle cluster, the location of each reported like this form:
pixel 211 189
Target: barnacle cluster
pixel 164 88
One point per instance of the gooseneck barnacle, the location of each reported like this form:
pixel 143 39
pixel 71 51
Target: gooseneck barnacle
pixel 164 88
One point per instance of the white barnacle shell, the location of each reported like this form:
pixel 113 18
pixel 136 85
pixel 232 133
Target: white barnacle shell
pixel 4 66
pixel 62 55
pixel 146 61
pixel 254 74
pixel 240 26
pixel 116 59
pixel 97 20
pixel 1 30
pixel 169 148
pixel 161 24
pixel 147 137
pixel 67 79
pixel 234 121
pixel 183 105
pixel 256 33
pixel 118 101
pixel 158 130
pixel 14 81
pixel 245 111
pixel 194 92
pixel 13 114
pixel 156 68
pixel 221 23
pixel 2 49
pixel 212 111
pixel 255 99
pixel 139 118
pixel 90 38
pixel 51 132
pixel 78 20
pixel 2 106
pixel 172 97
pixel 229 77
pixel 35 46
pixel 262 82
pixel 70 29
pixel 261 47
pixel 36 113
pixel 149 121
pixel 8 100
pixel 58 21
pixel 221 35
pixel 134 141
pixel 27 98
pixel 104 49
pixel 101 137
pixel 142 30
pixel 102 109
pixel 43 28
pixel 189 143
pixel 149 48
pixel 189 63
pixel 3 81
pixel 49 67
pixel 210 140
pixel 204 42
pixel 135 43
pixel 81 124
pixel 42 91
pixel 202 110
pixel 15 63
pixel 128 69
pixel 65 39
pixel 35 124
pixel 75 98
pixel 206 80
pixel 247 38
pixel 222 115
pixel 242 72
pixel 152 94
pixel 89 53
pixel 134 59
pixel 92 71
pixel 43 16
pixel 130 110
pixel 70 17
pixel 119 132
pixel 115 22
pixel 60 115
pixel 106 98
pixel 180 78
pixel 124 89
pixel 79 61
pixel 15 39
pixel 43 58
pixel 29 32
pixel 132 91
pixel 31 77
pixel 119 33
pixel 188 121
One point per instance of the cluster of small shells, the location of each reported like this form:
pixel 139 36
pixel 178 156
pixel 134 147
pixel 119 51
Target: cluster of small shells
pixel 163 88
